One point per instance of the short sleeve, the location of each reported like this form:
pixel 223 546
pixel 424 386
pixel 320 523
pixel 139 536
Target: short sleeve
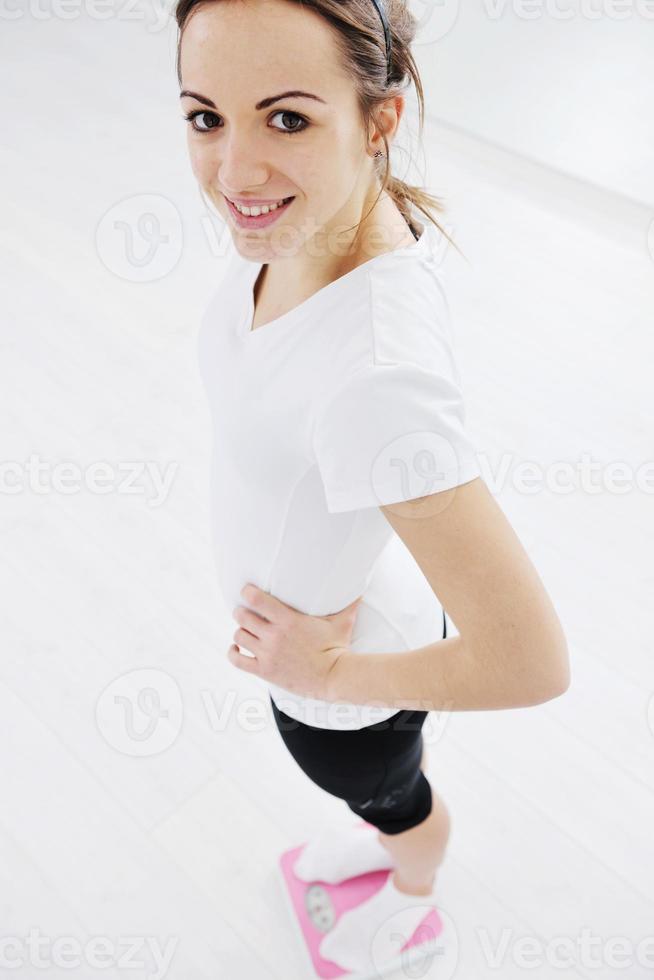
pixel 392 432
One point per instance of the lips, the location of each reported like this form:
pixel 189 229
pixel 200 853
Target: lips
pixel 260 220
pixel 259 204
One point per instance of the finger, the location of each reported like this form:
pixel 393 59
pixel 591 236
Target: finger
pixel 251 621
pixel 243 638
pixel 267 605
pixel 249 664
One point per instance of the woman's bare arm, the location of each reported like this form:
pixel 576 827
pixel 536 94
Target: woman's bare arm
pixel 511 650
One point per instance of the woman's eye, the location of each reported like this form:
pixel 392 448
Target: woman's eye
pixel 194 116
pixel 293 115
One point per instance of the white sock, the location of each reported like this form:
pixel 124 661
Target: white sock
pixel 367 937
pixel 335 855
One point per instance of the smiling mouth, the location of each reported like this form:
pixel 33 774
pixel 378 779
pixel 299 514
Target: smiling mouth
pixel 270 207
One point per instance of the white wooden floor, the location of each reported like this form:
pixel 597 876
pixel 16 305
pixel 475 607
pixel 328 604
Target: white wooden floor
pixel 109 832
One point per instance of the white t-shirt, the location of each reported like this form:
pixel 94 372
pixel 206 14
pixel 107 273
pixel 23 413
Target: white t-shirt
pixel 348 401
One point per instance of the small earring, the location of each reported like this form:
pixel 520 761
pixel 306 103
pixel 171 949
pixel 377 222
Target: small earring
pixel 378 153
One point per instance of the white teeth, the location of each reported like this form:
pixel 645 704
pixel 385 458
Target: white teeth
pixel 256 210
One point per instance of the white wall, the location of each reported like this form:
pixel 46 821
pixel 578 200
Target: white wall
pixel 576 94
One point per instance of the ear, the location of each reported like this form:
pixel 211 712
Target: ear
pixel 400 104
pixel 386 120
pixel 392 111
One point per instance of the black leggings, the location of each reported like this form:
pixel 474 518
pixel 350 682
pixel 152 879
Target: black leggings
pixel 375 769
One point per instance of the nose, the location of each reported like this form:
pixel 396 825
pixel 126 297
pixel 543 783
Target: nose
pixel 240 165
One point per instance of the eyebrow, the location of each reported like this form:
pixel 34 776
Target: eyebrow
pixel 264 104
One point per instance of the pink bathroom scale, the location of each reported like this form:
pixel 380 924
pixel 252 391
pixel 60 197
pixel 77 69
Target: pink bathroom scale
pixel 315 908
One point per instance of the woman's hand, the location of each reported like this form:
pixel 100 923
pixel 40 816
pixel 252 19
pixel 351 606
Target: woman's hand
pixel 291 649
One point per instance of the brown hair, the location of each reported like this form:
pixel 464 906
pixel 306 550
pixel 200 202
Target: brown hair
pixel 360 38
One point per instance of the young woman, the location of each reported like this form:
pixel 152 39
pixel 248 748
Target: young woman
pixel 347 498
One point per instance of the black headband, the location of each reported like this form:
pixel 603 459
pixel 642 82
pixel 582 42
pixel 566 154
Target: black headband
pixel 387 37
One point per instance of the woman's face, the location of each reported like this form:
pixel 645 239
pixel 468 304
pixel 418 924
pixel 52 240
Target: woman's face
pixel 236 55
